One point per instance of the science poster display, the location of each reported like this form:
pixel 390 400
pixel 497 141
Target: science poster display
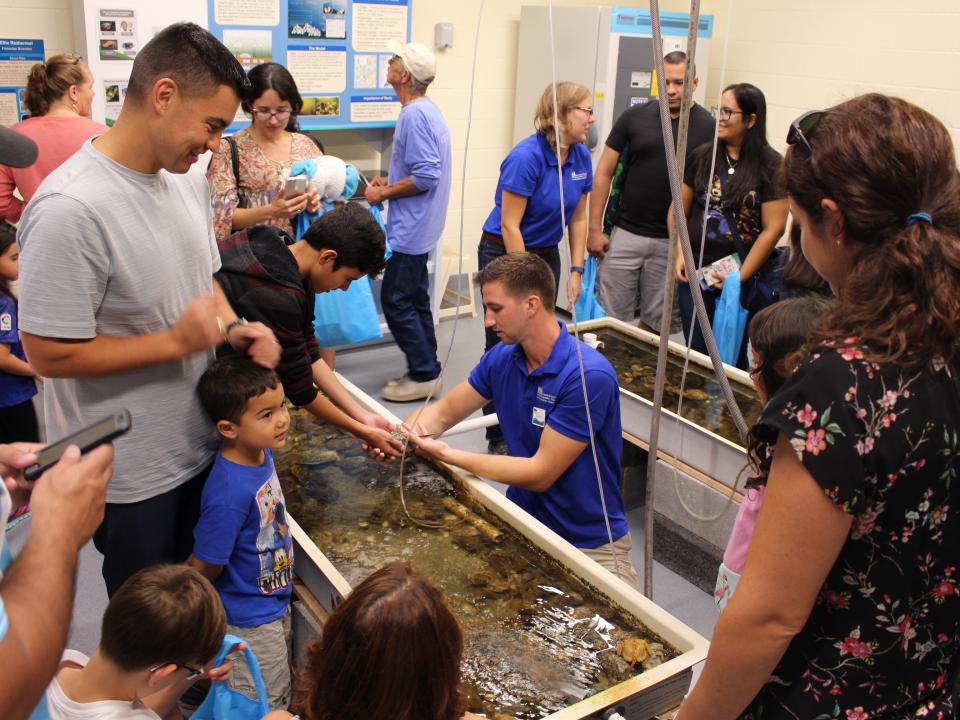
pixel 17 56
pixel 336 51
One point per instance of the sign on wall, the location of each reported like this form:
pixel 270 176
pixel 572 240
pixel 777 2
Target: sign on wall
pixel 336 51
pixel 17 56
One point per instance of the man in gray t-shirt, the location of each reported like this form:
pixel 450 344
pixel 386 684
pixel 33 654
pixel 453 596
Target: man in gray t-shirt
pixel 118 306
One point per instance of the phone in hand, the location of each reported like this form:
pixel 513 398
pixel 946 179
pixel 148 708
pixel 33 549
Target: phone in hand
pixel 100 432
pixel 296 185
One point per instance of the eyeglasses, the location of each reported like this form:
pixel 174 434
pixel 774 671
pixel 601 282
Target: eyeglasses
pixel 191 671
pixel 265 114
pixel 588 111
pixel 726 113
pixel 801 127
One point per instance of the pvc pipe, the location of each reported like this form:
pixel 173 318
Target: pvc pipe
pixel 472 424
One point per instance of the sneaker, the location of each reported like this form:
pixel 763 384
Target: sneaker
pixel 497 447
pixel 396 380
pixel 405 390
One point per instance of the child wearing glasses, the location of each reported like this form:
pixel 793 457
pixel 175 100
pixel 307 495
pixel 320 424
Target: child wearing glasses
pixel 162 628
pixel 242 540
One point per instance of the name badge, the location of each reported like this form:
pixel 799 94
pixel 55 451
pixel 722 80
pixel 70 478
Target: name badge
pixel 539 417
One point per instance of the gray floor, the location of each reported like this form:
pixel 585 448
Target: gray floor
pixel 369 368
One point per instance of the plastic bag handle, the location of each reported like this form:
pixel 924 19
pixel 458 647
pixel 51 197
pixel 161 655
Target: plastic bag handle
pixel 223 698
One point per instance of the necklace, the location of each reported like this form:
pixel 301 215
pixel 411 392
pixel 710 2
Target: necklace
pixel 731 163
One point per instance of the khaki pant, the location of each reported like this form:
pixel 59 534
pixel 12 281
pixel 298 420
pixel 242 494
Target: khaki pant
pixel 623 567
pixel 270 642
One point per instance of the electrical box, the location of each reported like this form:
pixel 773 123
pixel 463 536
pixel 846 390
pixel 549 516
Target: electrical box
pixel 443 35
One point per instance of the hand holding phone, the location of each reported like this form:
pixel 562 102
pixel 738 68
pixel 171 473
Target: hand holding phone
pixel 86 439
pixel 295 185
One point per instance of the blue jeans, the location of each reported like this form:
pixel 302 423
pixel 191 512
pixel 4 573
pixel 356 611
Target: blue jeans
pixel 487 252
pixel 687 316
pixel 405 299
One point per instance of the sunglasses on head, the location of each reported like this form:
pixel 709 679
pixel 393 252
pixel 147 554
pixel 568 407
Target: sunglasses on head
pixel 801 127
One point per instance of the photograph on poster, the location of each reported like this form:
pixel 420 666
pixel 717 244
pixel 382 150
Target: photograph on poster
pixel 308 19
pixel 114 93
pixel 321 106
pixel 249 47
pixel 117 34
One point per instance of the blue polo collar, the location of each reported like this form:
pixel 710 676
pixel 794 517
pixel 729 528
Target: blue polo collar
pixel 559 355
pixel 549 155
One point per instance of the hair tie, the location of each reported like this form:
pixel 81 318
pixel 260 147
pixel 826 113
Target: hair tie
pixel 917 217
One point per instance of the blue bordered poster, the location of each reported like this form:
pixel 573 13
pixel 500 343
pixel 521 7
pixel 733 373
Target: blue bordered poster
pixel 17 56
pixel 336 51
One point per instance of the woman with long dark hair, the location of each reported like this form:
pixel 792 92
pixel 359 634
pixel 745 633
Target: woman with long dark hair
pixel 247 171
pixel 848 605
pixel 744 210
pixel 390 651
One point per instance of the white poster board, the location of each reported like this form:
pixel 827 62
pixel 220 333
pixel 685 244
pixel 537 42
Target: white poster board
pixel 109 34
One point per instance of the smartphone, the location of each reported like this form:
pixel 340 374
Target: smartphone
pixel 296 185
pixel 87 439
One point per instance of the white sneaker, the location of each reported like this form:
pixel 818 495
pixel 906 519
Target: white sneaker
pixel 404 389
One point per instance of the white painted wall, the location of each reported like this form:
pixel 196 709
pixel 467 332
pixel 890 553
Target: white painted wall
pixel 802 55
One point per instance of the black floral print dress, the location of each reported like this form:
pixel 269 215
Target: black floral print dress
pixel 884 444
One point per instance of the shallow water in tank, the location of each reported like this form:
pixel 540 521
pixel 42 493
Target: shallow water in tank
pixel 537 639
pixel 635 363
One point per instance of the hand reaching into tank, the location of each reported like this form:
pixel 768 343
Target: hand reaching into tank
pixel 381 445
pixel 429 446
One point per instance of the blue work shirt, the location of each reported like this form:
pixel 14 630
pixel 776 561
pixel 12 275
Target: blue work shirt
pixel 552 396
pixel 531 170
pixel 14 389
pixel 421 151
pixel 243 527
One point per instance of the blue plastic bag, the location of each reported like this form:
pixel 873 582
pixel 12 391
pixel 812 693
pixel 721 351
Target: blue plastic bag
pixel 222 703
pixel 729 320
pixel 344 317
pixel 588 306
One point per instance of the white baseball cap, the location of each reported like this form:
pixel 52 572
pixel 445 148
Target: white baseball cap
pixel 418 58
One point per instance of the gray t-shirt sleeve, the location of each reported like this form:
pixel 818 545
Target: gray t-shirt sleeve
pixel 64 267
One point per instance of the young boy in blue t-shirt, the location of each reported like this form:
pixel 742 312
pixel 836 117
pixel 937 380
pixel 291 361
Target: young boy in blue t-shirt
pixel 242 541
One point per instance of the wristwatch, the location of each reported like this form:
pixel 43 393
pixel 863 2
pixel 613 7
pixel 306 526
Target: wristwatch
pixel 236 323
pixel 577 268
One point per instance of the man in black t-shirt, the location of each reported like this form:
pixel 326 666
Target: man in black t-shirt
pixel 634 257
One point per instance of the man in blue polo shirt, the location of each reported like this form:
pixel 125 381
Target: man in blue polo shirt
pixel 533 375
pixel 418 188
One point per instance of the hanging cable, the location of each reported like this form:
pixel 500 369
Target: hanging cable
pixel 689 340
pixel 456 316
pixel 573 306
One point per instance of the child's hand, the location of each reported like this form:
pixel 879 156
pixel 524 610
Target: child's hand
pixel 223 672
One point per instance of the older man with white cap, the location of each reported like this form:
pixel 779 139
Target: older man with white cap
pixel 418 188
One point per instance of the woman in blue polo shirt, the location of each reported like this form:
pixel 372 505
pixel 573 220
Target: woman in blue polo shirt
pixel 526 213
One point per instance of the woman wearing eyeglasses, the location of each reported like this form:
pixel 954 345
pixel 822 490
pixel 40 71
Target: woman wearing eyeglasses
pixel 848 605
pixel 744 210
pixel 59 95
pixel 250 191
pixel 526 214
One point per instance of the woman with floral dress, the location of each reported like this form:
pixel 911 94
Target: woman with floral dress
pixel 848 604
pixel 252 192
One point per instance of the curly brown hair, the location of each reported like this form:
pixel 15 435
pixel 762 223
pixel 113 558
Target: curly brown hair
pixel 390 651
pixel 882 159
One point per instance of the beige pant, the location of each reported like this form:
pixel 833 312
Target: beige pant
pixel 623 568
pixel 271 644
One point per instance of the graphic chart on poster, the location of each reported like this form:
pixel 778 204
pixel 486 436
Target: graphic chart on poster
pixel 336 51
